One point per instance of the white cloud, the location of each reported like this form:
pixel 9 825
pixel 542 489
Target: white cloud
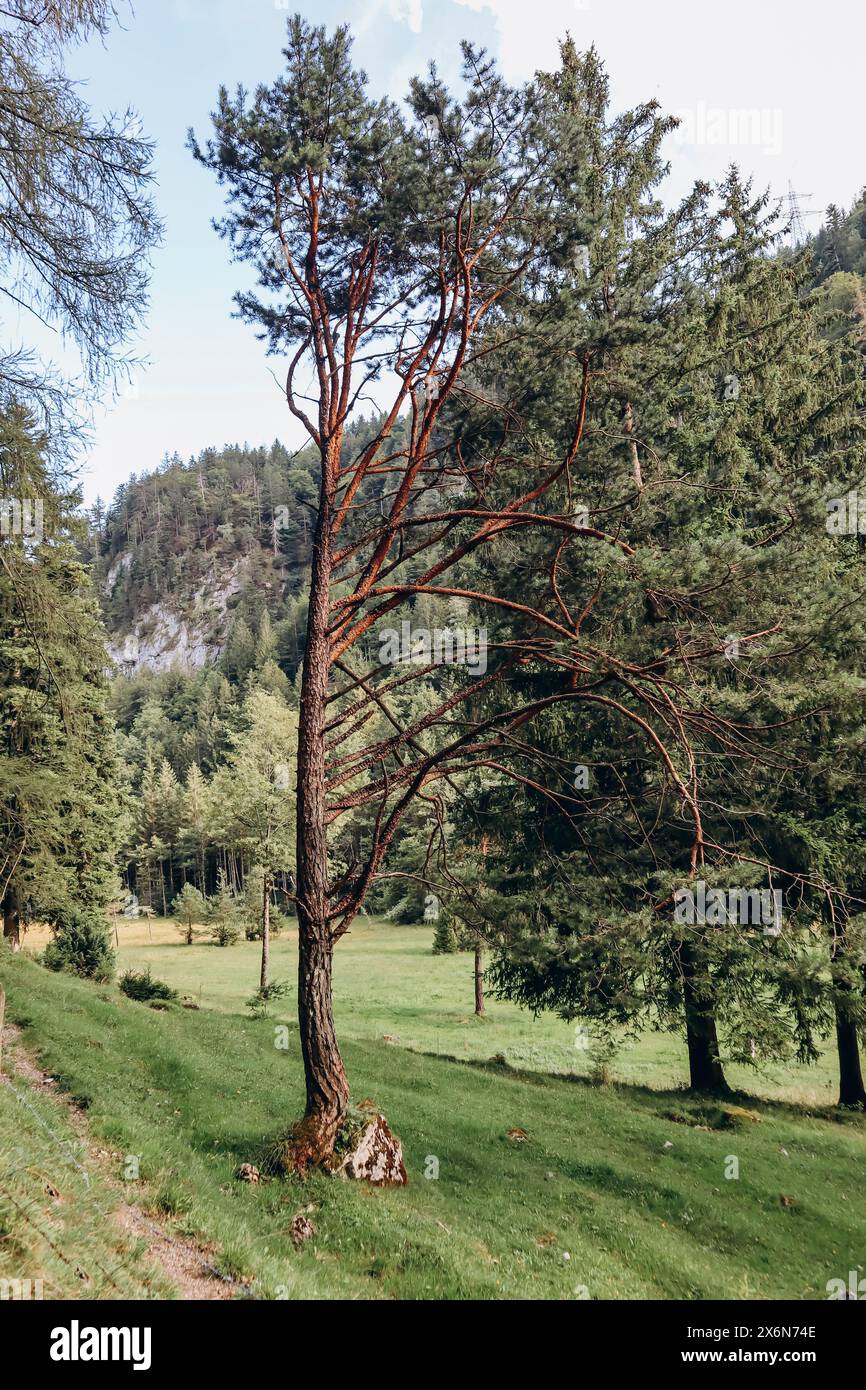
pixel 529 33
pixel 410 10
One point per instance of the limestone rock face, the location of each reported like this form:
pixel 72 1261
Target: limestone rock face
pixel 377 1157
pixel 185 637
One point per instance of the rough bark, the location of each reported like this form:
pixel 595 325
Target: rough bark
pixel 479 980
pixel 266 935
pixel 11 922
pixel 851 1088
pixel 327 1087
pixel 705 1066
pixel 326 1084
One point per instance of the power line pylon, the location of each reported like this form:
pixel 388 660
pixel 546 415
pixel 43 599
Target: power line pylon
pixel 796 223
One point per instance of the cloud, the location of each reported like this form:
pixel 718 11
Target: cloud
pixel 529 33
pixel 410 10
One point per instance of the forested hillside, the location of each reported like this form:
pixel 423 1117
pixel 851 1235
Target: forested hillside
pixel 190 551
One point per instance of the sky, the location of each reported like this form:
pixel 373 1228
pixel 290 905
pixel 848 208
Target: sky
pixel 772 85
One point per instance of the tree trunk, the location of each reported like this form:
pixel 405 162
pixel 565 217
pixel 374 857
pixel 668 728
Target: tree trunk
pixel 851 1089
pixel 326 1084
pixel 628 425
pixel 266 935
pixel 11 921
pixel 479 980
pixel 705 1067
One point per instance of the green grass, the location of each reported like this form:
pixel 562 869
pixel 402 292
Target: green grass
pixel 56 1208
pixel 387 981
pixel 593 1198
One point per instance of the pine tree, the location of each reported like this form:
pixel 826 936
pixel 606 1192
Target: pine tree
pixel 510 241
pixel 225 914
pixel 445 934
pixel 194 832
pixel 738 415
pixel 190 908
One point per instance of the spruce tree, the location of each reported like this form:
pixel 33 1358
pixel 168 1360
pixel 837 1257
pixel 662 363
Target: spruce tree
pixel 61 811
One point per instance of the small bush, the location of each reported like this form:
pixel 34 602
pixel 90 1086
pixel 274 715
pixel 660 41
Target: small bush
pixel 603 1049
pixel 81 944
pixel 140 985
pixel 258 1002
pixel 227 917
pixel 224 933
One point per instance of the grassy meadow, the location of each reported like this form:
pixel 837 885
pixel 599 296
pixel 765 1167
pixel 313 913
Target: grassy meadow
pixel 548 1186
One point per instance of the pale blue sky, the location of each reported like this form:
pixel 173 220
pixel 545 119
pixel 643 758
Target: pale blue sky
pixel 209 382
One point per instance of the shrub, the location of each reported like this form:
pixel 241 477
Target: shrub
pixel 81 944
pixel 603 1048
pixel 226 916
pixel 258 1002
pixel 224 931
pixel 140 985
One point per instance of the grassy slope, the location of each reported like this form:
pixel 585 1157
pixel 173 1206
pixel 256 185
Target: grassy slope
pixel 388 982
pixel 196 1093
pixel 56 1205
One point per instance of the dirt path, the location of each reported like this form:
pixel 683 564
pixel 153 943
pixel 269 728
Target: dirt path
pixel 181 1261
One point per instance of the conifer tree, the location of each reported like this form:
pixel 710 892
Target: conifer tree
pixel 379 241
pixel 254 799
pixel 504 255
pixel 723 420
pixel 76 220
pixel 61 812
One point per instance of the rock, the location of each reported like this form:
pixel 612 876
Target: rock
pixel 735 1115
pixel 302 1228
pixel 377 1156
pixel 187 639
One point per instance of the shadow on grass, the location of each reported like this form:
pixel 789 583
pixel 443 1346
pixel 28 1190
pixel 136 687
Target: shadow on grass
pixel 702 1105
